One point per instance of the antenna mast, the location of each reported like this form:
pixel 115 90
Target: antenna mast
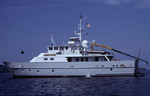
pixel 80 28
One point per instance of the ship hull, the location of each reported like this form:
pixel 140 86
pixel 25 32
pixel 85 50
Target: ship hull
pixel 54 69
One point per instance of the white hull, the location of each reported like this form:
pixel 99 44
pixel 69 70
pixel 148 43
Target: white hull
pixel 105 68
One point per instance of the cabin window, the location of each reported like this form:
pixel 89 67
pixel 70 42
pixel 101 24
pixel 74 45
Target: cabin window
pixel 82 59
pixel 96 59
pixel 61 48
pixel 45 59
pixel 55 48
pixel 58 53
pixel 110 57
pixel 66 48
pixel 51 58
pixel 69 59
pixel 102 58
pixel 77 59
pixel 105 59
pixel 93 59
pixel 50 48
pixel 86 59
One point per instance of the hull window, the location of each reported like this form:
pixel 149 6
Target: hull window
pixel 51 58
pixel 45 59
pixel 69 59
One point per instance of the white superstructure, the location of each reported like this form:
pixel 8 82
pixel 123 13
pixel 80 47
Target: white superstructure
pixel 74 59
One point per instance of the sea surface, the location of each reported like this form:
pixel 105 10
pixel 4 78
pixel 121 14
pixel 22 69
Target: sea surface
pixel 75 86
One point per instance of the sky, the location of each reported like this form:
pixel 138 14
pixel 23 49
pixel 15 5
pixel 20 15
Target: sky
pixel 25 25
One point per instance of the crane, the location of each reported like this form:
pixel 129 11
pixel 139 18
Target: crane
pixel 95 44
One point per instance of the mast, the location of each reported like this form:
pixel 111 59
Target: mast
pixel 80 28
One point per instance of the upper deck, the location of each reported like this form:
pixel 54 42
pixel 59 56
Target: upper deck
pixel 76 50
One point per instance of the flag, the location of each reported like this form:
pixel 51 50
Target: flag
pixel 88 25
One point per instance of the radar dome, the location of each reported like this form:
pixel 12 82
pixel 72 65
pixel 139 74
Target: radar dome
pixel 85 43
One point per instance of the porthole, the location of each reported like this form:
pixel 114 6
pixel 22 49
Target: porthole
pixel 38 71
pixel 116 65
pixel 111 69
pixel 53 70
pixel 113 65
pixel 29 70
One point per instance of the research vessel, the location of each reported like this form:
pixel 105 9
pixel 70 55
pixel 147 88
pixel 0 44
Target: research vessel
pixel 77 58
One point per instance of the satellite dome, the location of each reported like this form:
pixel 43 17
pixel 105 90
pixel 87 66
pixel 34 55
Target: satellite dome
pixel 85 43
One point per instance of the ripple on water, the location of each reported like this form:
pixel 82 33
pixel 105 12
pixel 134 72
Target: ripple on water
pixel 101 86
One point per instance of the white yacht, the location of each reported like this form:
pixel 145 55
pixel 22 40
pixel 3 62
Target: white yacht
pixel 77 58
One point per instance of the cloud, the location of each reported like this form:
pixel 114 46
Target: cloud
pixel 14 8
pixel 135 3
pixel 143 4
pixel 116 2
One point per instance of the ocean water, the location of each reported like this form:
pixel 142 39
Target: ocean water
pixel 75 86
